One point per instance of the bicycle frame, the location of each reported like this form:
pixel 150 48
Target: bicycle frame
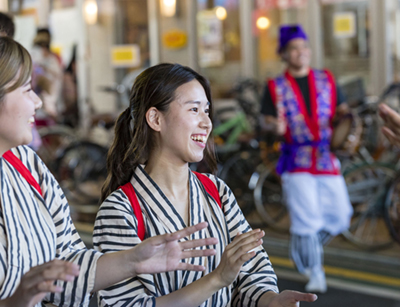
pixel 239 124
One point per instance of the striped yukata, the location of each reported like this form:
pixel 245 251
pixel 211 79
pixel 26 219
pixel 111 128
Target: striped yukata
pixel 116 229
pixel 36 229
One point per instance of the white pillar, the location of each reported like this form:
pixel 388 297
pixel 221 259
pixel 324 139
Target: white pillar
pixel 380 58
pixel 4 5
pixel 247 39
pixel 154 31
pixel 43 11
pixel 192 34
pixel 82 65
pixel 313 27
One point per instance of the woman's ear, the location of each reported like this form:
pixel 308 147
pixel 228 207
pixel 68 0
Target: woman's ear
pixel 153 119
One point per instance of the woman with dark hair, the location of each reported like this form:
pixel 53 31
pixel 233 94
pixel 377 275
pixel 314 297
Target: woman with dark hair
pixel 150 190
pixel 41 254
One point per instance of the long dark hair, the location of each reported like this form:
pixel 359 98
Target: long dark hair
pixel 155 87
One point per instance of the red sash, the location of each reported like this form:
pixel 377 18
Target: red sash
pixel 22 169
pixel 128 189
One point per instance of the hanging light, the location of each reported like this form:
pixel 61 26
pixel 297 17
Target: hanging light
pixel 263 23
pixel 90 11
pixel 168 8
pixel 3 5
pixel 221 12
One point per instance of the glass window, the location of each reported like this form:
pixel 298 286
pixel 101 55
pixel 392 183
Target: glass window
pixel 346 40
pixel 131 28
pixel 174 31
pixel 218 28
pixel 266 22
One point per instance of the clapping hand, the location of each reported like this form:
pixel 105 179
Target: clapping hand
pixel 37 282
pixel 236 254
pixel 164 253
pixel 289 298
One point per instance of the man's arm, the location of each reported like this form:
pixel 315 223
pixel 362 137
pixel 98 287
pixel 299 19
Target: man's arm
pixel 391 129
pixel 268 109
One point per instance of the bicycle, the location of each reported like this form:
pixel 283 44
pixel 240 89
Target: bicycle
pixel 368 186
pixel 54 140
pixel 372 182
pixel 237 146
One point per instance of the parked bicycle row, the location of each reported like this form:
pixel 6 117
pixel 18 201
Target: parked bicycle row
pixel 248 154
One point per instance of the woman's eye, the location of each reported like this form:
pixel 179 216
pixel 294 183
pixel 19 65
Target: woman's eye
pixel 194 109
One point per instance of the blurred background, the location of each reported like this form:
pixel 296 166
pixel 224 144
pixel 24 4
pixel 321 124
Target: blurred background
pixel 98 47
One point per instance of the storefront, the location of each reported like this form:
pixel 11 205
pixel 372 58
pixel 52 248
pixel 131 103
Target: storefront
pixel 225 40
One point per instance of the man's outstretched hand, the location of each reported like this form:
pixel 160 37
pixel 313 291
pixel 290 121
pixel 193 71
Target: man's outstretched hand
pixel 391 129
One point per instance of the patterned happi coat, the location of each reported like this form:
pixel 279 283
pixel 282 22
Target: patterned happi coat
pixel 307 146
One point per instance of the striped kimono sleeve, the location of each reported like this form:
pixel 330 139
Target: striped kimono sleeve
pixel 257 275
pixel 69 246
pixel 116 229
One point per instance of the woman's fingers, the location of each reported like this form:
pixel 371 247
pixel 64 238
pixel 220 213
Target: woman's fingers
pixel 198 242
pixel 179 234
pixel 198 253
pixel 192 229
pixel 244 250
pixel 50 271
pixel 245 257
pixel 190 267
pixel 48 287
pixel 300 296
pixel 244 239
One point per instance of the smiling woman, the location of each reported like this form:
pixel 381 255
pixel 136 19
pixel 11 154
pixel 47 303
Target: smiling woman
pixel 19 102
pixel 43 260
pixel 150 190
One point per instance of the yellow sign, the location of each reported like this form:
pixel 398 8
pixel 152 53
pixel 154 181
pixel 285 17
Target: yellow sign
pixel 57 49
pixel 175 39
pixel 125 56
pixel 344 24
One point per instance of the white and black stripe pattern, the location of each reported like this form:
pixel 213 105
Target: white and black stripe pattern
pixel 306 251
pixel 116 229
pixel 36 229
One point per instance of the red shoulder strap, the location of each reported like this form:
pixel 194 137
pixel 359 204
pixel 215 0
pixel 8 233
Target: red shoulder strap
pixel 331 80
pixel 22 169
pixel 210 187
pixel 137 211
pixel 130 192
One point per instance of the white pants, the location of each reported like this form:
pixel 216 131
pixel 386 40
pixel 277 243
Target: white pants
pixel 318 205
pixel 316 202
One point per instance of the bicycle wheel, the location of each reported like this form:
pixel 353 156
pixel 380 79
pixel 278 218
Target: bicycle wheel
pixel 367 185
pixel 54 141
pixel 81 171
pixel 238 172
pixel 268 198
pixel 392 209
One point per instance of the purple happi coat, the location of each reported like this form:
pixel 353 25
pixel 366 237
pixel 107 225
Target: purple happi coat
pixel 307 146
